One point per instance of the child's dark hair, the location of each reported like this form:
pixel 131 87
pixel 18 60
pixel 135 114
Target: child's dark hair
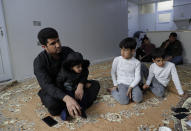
pixel 128 43
pixel 45 34
pixel 74 63
pixel 158 53
pixel 75 58
pixel 84 63
pixel 173 34
pixel 145 38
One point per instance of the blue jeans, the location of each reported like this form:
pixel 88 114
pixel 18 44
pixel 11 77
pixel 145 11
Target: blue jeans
pixel 177 60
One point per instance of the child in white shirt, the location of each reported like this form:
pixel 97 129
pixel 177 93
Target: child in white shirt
pixel 159 74
pixel 126 74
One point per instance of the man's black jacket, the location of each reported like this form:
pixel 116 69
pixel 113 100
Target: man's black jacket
pixel 46 70
pixel 173 49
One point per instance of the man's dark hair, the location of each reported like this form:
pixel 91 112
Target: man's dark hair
pixel 45 34
pixel 158 53
pixel 173 34
pixel 128 43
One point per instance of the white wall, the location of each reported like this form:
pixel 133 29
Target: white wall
pixel 133 18
pixel 182 15
pixel 158 37
pixel 181 2
pixel 93 27
pixel 148 22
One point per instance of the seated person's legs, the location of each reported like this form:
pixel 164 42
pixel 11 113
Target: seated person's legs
pixel 157 88
pixel 137 94
pixel 144 75
pixel 121 94
pixel 147 59
pixel 139 53
pixel 53 105
pixel 177 60
pixel 144 72
pixel 90 93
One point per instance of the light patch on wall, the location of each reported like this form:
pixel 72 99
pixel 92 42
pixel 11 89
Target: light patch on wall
pixel 164 18
pixel 148 8
pixel 166 5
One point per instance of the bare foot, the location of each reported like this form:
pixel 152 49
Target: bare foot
pixel 111 89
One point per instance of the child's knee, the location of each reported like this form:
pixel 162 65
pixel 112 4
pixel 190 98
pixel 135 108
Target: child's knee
pixel 137 95
pixel 138 98
pixel 160 94
pixel 124 101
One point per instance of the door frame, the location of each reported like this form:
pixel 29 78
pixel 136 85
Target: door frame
pixel 4 48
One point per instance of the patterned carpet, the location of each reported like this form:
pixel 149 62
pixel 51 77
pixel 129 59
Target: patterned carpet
pixel 21 109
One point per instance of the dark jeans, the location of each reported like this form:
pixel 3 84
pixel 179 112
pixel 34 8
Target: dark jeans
pixel 177 60
pixel 56 106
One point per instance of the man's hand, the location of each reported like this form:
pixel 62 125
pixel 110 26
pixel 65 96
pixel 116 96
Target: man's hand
pixel 129 92
pixel 145 86
pixel 189 117
pixel 166 44
pixel 79 91
pixel 168 58
pixel 73 107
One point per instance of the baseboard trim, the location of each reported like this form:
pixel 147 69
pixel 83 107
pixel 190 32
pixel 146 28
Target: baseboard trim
pixel 102 60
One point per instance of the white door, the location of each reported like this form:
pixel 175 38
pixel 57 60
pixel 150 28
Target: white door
pixel 5 70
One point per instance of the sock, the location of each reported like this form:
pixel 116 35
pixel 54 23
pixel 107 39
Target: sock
pixel 63 115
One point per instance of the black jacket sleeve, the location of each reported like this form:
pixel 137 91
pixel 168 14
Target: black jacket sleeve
pixel 45 81
pixel 84 76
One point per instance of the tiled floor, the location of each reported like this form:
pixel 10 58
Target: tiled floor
pixel 21 109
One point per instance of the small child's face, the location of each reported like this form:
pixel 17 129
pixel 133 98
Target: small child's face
pixel 159 61
pixel 127 53
pixel 146 41
pixel 77 68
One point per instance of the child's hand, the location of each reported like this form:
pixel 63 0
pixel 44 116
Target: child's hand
pixel 115 88
pixel 79 92
pixel 129 92
pixel 189 117
pixel 88 85
pixel 145 86
pixel 111 89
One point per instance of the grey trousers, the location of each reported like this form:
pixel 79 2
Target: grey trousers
pixel 121 94
pixel 157 88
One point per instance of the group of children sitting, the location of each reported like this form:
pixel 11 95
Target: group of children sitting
pixel 127 74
